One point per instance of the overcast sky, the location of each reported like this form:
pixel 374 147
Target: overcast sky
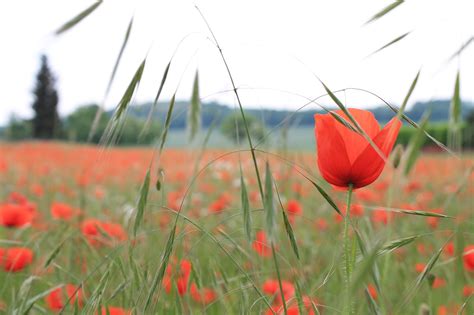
pixel 271 46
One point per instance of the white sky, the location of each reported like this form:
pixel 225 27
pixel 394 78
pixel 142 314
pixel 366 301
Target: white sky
pixel 269 44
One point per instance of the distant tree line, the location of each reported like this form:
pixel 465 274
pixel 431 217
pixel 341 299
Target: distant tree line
pixel 215 112
pixel 76 127
pixel 46 123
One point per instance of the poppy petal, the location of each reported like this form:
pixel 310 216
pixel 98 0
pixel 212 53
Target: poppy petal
pixel 355 142
pixel 333 162
pixel 369 165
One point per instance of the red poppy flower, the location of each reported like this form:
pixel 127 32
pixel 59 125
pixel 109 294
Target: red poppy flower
pixel 372 291
pixel 260 245
pixel 15 258
pixel 203 296
pixel 294 207
pixel 62 211
pixel 419 267
pixel 56 299
pixel 14 215
pixel 111 310
pixel 346 157
pixel 467 290
pixel 449 249
pixel 182 285
pixel 321 224
pixel 182 277
pixel 272 287
pixel 16 197
pixel 92 228
pixel 438 283
pixel 380 216
pixel 469 258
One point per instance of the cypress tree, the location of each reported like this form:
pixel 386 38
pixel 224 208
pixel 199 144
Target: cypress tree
pixel 46 123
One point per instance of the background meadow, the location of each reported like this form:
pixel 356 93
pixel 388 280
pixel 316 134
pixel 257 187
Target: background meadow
pixel 197 204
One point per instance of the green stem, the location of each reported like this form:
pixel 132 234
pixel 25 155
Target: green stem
pixel 347 253
pixel 279 279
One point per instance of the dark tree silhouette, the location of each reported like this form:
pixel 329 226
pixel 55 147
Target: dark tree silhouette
pixel 46 123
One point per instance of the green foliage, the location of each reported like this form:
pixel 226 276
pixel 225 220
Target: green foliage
pixel 18 129
pixel 79 123
pixel 468 131
pixel 439 131
pixel 233 127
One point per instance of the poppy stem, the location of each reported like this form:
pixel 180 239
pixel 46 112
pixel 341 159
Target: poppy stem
pixel 347 253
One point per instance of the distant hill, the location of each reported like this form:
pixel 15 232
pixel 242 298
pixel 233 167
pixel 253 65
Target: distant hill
pixel 272 118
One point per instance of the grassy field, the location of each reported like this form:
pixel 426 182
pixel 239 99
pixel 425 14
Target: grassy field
pixel 76 212
pixel 297 138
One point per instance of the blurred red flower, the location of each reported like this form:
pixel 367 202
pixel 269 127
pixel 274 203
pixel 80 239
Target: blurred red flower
pixel 92 228
pixel 380 216
pixel 372 291
pixel 15 258
pixel 260 244
pixel 14 215
pixel 57 298
pixel 62 211
pixel 203 296
pixel 182 277
pixel 111 310
pixel 469 258
pixel 294 207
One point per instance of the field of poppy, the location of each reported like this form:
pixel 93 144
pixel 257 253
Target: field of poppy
pixel 97 230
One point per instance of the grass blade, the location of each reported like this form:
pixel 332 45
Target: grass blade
pixel 372 305
pixel 393 245
pixel 412 212
pixel 323 193
pixel 161 271
pixel 127 96
pixel 455 107
pixel 277 269
pixel 269 203
pixel 464 305
pixel 407 97
pixel 299 297
pixel 142 201
pixel 364 269
pixel 100 110
pixel 55 252
pixel 155 102
pixel 462 48
pixel 455 117
pixel 384 11
pixel 40 296
pixel 78 18
pixel 167 122
pixel 288 228
pixel 246 208
pixel 414 124
pixel 429 266
pixel 195 111
pixel 390 43
pixel 415 144
pixel 363 249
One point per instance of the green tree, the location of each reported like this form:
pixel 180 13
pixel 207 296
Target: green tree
pixel 468 135
pixel 233 128
pixel 79 123
pixel 46 123
pixel 18 129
